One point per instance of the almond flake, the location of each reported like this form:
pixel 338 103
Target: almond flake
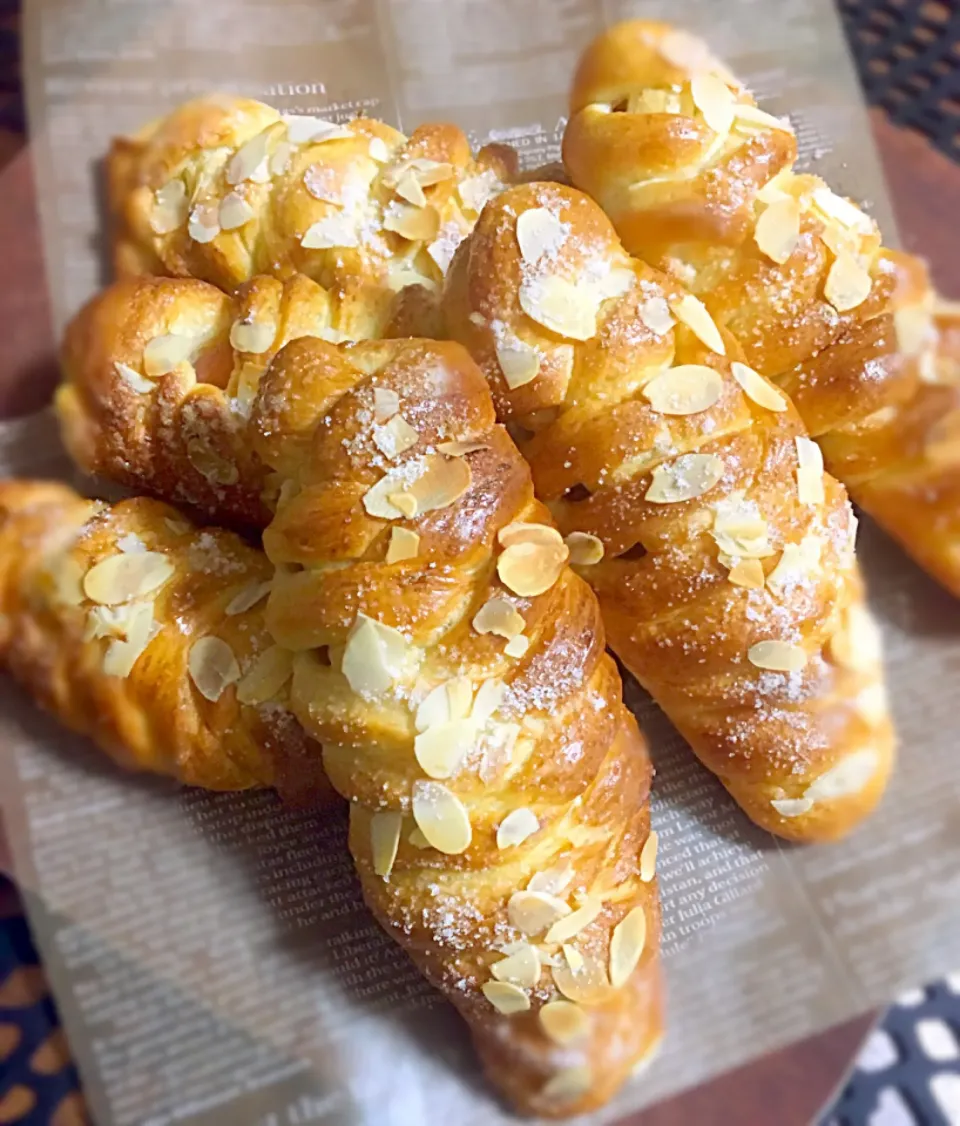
pixel 561 306
pixel 520 532
pixel 417 840
pixel 461 448
pixel 687 389
pixel 648 857
pixel 409 189
pixel 505 998
pixel 208 463
pixel 234 212
pixel 203 225
pixel 653 101
pixel 385 840
pixel 539 233
pixel 247 159
pixel 754 117
pixel 429 172
pixel 488 700
pixel 740 530
pixel 798 561
pixel 568 1084
pixel 564 1022
pixel 499 617
pixel 778 229
pixel 302 129
pixel 169 207
pixel 516 827
pixel 476 191
pixel 655 314
pixel 848 284
pixel 119 578
pixel 755 387
pixel 138 628
pixel 858 643
pixel 747 573
pixel 386 403
pixel 266 676
pixel 522 967
pixel 134 379
pixel 404 544
pixel 67 579
pixel 516 647
pixel 375 657
pixel 809 472
pixel 585 549
pixel 849 776
pixel 693 313
pixel 626 946
pixel 529 569
pixel 333 230
pixel 777 656
pixel 571 925
pixel 573 957
pixel 419 224
pixel 715 100
pixel 688 477
pixel 280 160
pixel 212 666
pixel 532 912
pixel 395 437
pixel 792 807
pixel 587 985
pixel 440 749
pixel 248 597
pixel 162 354
pixel 847 214
pixel 255 337
pixel 519 362
pixel 404 503
pixel 419 486
pixel 552 880
pixel 442 818
pixel 446 703
pixel 378 150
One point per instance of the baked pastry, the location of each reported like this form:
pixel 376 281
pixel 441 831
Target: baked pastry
pixel 225 188
pixel 699 181
pixel 722 555
pixel 147 634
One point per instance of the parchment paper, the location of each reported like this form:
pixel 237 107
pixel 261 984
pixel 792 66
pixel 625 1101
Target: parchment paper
pixel 210 955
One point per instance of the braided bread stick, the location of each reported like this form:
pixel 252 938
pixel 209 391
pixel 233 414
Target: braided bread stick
pixel 147 634
pixel 698 182
pixel 722 555
pixel 224 188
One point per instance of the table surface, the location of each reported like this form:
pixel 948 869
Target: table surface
pixel 798 1081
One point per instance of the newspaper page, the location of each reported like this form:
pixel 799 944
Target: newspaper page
pixel 210 954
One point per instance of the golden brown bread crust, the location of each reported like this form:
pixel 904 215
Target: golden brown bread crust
pixel 699 182
pixel 254 182
pixel 689 586
pixel 91 664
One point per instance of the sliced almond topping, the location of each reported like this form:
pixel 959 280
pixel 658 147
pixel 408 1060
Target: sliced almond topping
pixel 532 912
pixel 440 749
pixel 715 100
pixel 429 172
pixel 266 677
pixel 442 818
pixel 626 945
pixel 740 530
pixel 747 573
pixel 419 224
pixel 653 101
pixel 68 581
pixel 417 839
pixel 384 840
pixel 408 188
pixel 777 656
pixel 587 985
pixel 778 229
pixel 378 150
pixel 447 702
pixel 809 472
pixel 847 214
pixel 134 379
pixel 571 925
pixel 386 403
pixel 498 616
pixel 693 313
pixel 302 129
pixel 688 477
pixel 561 306
pixel 280 160
pixel 797 562
pixel 792 807
pixel 119 578
pixel 553 880
pixel 505 997
pixel 333 230
pixel 139 629
pixel 648 857
pixel 522 967
pixel 573 958
pixel 163 353
pixel 568 1084
pixel 461 448
pixel 687 389
pixel 204 224
pixel 754 117
pixel 585 549
pixel 255 337
pixel 476 191
pixel 519 362
pixel 655 314
pixel 247 159
pixel 516 827
pixel 169 207
pixel 248 597
pixel 539 233
pixel 529 569
pixel 489 698
pixel 755 387
pixel 520 532
pixel 419 486
pixel 374 658
pixel 210 464
pixel 849 776
pixel 564 1022
pixel 395 437
pixel 516 647
pixel 858 643
pixel 848 284
pixel 212 665
pixel 234 212
pixel 404 544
